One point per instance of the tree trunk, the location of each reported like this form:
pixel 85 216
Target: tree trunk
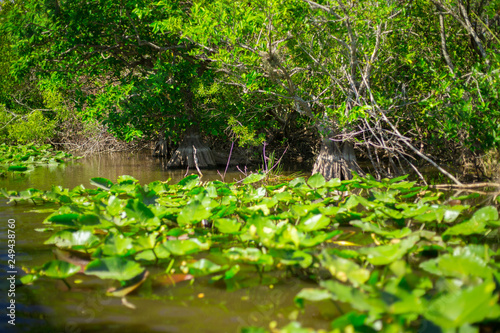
pixel 332 162
pixel 162 148
pixel 192 153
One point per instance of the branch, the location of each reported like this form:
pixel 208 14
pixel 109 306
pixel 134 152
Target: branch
pixel 466 24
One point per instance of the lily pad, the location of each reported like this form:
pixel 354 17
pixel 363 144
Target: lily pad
pixel 103 183
pixel 466 306
pixel 254 178
pixel 386 254
pixel 316 181
pixel 58 269
pixel 116 268
pixel 204 267
pixel 18 168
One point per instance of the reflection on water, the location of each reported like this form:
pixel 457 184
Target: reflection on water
pixel 47 306
pixel 139 165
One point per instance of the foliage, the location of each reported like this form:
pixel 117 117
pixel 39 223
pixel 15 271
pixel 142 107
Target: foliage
pixel 34 128
pixel 24 158
pixel 23 119
pixel 420 262
pixel 120 73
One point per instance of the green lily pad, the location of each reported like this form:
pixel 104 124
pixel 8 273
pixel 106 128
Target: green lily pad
pixel 466 228
pixel 193 213
pixel 344 269
pixel 189 182
pixel 18 168
pixel 103 183
pixel 386 254
pixel 116 268
pixel 253 178
pixel 127 179
pixel 312 295
pixel 461 266
pixel 485 214
pixel 186 246
pixel 58 269
pixel 316 181
pixel 204 267
pixel 78 239
pixel 69 220
pixel 466 306
pixel 314 222
pixel 228 226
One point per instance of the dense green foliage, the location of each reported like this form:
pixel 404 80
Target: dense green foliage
pixel 117 72
pixel 431 260
pixel 383 76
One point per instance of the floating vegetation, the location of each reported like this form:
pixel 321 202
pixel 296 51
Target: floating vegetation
pixel 20 159
pixel 425 260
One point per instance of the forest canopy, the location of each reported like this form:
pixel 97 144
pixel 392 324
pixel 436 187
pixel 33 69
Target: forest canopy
pixel 397 83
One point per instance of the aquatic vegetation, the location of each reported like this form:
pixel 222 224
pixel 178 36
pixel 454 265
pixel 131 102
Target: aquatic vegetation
pixel 421 261
pixel 24 158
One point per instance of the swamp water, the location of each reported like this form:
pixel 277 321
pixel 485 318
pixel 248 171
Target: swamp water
pixel 188 306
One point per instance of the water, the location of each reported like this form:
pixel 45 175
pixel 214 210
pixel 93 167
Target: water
pixel 190 306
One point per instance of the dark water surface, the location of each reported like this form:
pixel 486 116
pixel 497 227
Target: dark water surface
pixel 48 306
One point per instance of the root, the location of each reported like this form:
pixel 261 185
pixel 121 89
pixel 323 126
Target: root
pixel 334 163
pixel 192 153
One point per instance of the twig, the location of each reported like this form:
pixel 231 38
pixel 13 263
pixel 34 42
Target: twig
pixel 265 157
pixel 465 186
pixel 228 160
pixel 277 163
pixel 195 158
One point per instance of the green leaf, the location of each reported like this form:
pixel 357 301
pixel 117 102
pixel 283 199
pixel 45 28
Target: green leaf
pixel 18 168
pixel 116 268
pixel 88 220
pixel 316 181
pixel 249 255
pixel 230 273
pixel 228 226
pixel 466 228
pixel 466 306
pixel 485 214
pixel 64 219
pixel 28 278
pixel 344 269
pixel 459 265
pixel 314 222
pixel 189 182
pixel 398 179
pixel 386 254
pixel 103 183
pixel 193 213
pixel 127 179
pixel 138 211
pixel 312 295
pixel 58 269
pixel 117 244
pixel 186 246
pixel 373 227
pixel 79 239
pixel 204 267
pixel 253 178
pixel 349 319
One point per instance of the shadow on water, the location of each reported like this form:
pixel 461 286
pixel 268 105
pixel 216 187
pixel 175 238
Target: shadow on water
pixel 48 306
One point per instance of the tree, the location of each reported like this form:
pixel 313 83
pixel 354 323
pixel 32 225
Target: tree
pixel 107 59
pixel 333 62
pixel 390 80
pixel 314 59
